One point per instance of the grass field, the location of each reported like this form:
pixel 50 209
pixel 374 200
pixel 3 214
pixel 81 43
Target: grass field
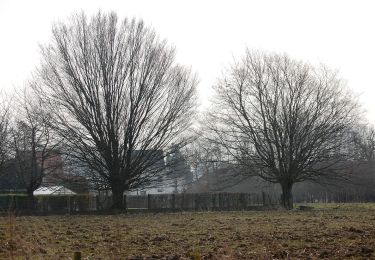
pixel 329 231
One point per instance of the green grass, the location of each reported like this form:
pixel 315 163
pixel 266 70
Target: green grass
pixel 341 206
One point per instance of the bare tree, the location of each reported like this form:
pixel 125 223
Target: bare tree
pixel 4 134
pixel 364 140
pixel 204 156
pixel 364 153
pixel 284 120
pixel 178 171
pixel 34 144
pixel 119 98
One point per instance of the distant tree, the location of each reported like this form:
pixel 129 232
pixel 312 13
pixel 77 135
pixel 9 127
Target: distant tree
pixel 178 169
pixel 197 158
pixel 364 152
pixel 34 144
pixel 204 156
pixel 284 120
pixel 4 134
pixel 118 96
pixel 364 140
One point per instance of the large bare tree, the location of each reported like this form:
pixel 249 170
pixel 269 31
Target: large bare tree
pixel 120 99
pixel 284 120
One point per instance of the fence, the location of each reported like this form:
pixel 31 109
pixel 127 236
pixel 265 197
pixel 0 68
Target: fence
pixel 48 204
pixel 198 201
pixel 64 204
pixel 154 202
pixel 335 197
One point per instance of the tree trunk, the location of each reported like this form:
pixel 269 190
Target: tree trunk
pixel 286 196
pixel 118 197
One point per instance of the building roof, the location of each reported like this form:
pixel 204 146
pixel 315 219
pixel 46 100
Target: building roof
pixel 53 190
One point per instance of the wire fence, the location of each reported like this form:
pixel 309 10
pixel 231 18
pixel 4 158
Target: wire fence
pixel 88 203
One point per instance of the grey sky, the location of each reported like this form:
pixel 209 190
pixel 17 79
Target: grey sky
pixel 208 34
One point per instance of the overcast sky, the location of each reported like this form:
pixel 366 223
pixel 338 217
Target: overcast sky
pixel 208 34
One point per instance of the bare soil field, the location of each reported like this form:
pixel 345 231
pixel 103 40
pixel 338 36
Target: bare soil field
pixel 330 231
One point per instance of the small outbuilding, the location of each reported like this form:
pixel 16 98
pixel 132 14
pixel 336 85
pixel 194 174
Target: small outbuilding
pixel 53 191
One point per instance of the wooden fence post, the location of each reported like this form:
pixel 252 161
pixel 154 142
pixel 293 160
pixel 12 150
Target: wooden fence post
pixel 264 198
pixel 149 201
pixel 124 202
pixel 242 201
pixel 173 201
pixel 68 205
pixel 43 204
